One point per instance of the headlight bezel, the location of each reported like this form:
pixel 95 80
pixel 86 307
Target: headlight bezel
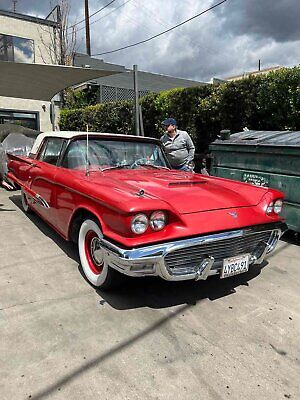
pixel 270 208
pixel 153 220
pixel 277 208
pixel 158 216
pixel 141 217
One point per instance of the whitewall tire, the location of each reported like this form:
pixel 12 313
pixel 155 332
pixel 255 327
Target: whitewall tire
pixel 24 201
pixel 92 256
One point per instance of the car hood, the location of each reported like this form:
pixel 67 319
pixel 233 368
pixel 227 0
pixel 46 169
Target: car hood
pixel 185 191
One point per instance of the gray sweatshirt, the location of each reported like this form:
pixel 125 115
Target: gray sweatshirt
pixel 180 149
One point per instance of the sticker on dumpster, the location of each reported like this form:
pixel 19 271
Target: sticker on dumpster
pixel 255 179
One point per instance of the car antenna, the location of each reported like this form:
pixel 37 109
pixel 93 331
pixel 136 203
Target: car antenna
pixel 87 171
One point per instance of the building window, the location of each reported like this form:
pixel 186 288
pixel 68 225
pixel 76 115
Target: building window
pixel 29 120
pixel 13 48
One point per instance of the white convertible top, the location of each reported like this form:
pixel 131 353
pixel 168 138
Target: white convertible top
pixel 72 134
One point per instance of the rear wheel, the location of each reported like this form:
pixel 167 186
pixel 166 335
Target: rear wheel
pixel 25 204
pixel 92 256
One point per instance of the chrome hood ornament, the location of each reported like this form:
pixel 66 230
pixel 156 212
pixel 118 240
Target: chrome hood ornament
pixel 141 192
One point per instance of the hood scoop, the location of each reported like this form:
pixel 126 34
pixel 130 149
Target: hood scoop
pixel 187 183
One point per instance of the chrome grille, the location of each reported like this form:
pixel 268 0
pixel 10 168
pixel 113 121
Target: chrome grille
pixel 188 259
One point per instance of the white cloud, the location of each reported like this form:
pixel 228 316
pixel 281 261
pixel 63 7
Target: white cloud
pixel 226 41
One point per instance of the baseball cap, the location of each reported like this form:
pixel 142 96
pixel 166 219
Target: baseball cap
pixel 169 121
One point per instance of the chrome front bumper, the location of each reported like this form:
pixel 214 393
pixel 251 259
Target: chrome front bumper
pixel 150 260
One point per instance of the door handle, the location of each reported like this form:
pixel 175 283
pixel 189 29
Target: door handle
pixel 34 165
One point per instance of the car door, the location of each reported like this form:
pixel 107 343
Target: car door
pixel 42 178
pixel 72 170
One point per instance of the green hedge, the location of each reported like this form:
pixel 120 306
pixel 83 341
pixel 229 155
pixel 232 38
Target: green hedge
pixel 109 117
pixel 269 102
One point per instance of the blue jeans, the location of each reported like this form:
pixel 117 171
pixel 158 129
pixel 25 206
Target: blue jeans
pixel 183 167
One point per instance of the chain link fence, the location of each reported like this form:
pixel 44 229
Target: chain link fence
pixel 111 93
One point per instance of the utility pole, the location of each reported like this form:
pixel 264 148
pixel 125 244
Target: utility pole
pixel 259 65
pixel 136 100
pixel 15 4
pixel 61 39
pixel 87 28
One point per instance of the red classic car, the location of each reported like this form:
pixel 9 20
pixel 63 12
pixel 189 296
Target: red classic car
pixel 116 196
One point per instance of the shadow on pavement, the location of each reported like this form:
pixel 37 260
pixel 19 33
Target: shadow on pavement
pixel 154 292
pixel 68 247
pixel 5 209
pixel 97 360
pixel 291 237
pixel 184 292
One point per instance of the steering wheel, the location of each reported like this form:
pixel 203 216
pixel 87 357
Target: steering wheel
pixel 139 161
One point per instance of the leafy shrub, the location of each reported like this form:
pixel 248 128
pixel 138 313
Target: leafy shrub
pixel 268 102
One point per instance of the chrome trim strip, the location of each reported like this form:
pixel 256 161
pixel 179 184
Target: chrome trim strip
pixel 41 201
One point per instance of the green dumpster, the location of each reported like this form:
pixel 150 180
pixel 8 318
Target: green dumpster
pixel 263 158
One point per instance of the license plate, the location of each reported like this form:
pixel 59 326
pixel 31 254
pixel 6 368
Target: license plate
pixel 235 265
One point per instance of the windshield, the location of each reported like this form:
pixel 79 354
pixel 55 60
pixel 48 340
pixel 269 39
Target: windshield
pixel 108 154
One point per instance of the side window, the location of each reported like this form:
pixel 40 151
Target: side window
pixel 51 150
pixel 99 154
pixel 75 156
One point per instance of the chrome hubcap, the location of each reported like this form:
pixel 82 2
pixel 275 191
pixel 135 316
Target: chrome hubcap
pixel 96 251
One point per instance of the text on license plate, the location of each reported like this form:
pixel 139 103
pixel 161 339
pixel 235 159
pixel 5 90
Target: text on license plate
pixel 235 265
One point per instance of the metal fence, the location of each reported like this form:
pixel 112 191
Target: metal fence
pixel 111 93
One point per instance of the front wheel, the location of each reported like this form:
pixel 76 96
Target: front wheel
pixel 25 204
pixel 92 256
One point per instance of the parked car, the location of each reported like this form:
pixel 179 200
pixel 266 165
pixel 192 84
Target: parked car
pixel 14 143
pixel 14 139
pixel 131 214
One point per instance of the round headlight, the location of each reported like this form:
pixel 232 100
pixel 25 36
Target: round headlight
pixel 158 220
pixel 278 206
pixel 139 223
pixel 269 209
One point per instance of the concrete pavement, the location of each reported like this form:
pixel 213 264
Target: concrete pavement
pixel 221 339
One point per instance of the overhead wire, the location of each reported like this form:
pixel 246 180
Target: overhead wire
pixel 96 12
pixel 162 33
pixel 163 24
pixel 115 9
pixel 130 18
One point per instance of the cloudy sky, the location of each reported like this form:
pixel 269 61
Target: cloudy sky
pixel 226 41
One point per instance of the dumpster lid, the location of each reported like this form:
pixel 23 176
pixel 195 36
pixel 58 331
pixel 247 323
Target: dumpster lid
pixel 263 138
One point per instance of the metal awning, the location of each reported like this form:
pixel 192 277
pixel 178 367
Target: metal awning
pixel 42 81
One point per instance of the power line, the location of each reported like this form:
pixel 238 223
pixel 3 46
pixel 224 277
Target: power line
pixel 115 9
pixel 161 33
pixel 96 12
pixel 167 26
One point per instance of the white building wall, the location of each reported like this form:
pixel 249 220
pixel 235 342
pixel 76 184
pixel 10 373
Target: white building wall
pixel 44 44
pixel 42 35
pixel 31 106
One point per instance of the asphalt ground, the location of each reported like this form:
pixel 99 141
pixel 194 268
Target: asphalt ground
pixel 236 338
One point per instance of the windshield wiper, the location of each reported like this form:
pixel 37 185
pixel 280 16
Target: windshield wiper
pixel 152 165
pixel 115 167
pixel 130 165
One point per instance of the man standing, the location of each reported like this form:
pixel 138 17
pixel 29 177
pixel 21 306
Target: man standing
pixel 178 145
